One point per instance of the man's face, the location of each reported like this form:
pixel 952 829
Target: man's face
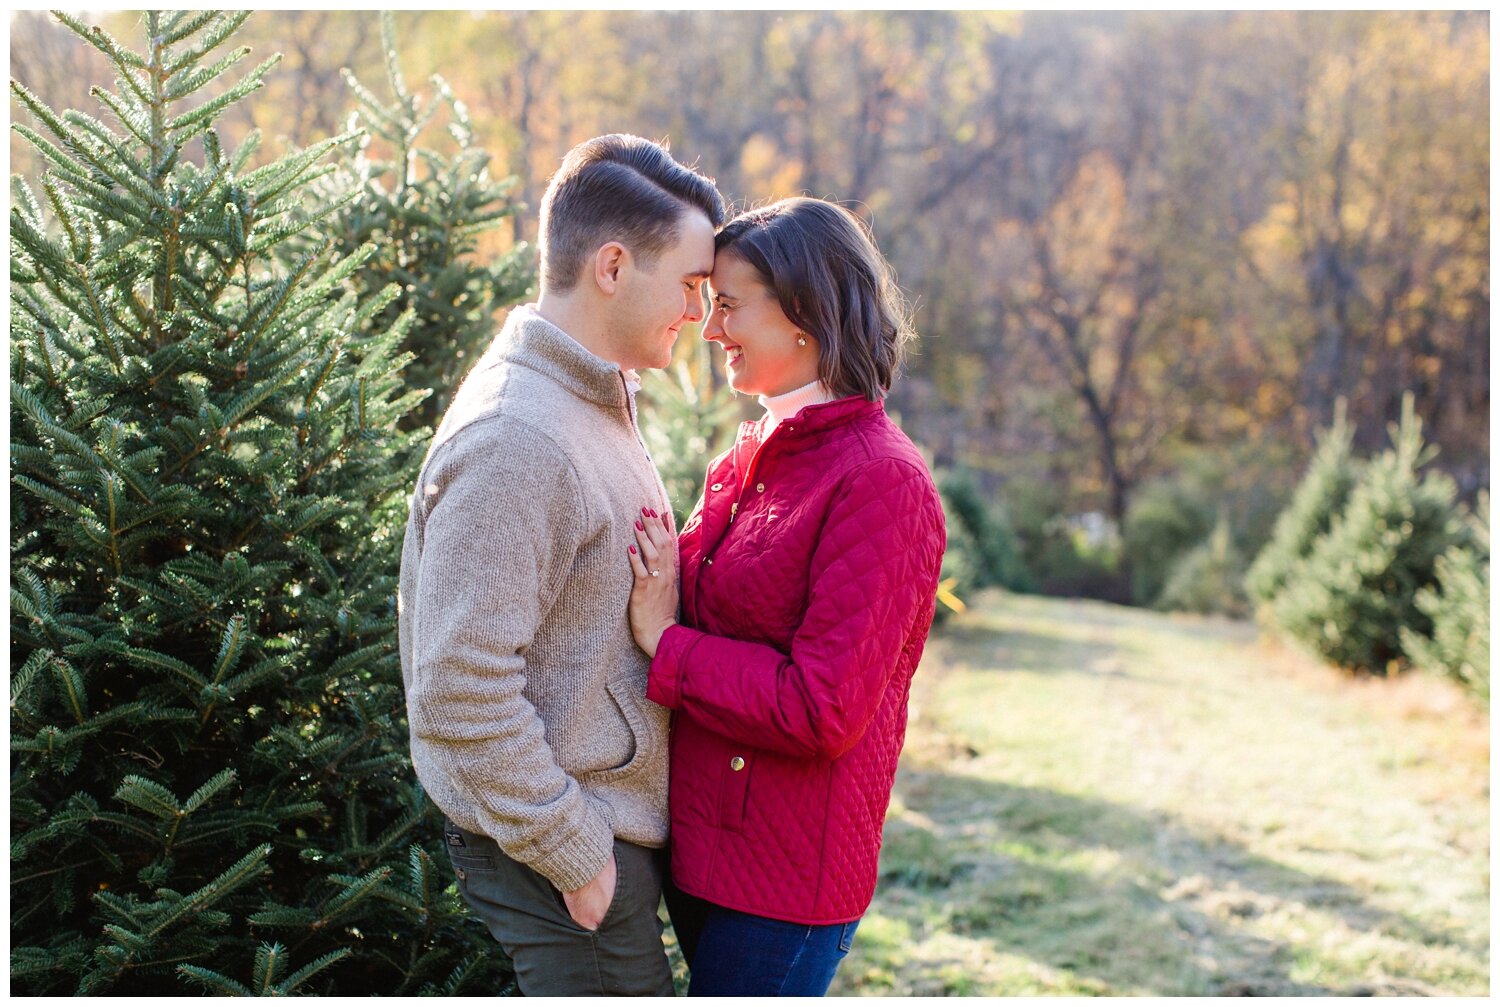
pixel 654 302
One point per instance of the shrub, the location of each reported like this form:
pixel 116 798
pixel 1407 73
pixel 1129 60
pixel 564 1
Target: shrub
pixel 1207 578
pixel 1165 520
pixel 1356 589
pixel 997 551
pixel 960 573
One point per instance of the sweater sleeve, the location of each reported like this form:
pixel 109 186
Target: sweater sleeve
pixel 874 574
pixel 503 523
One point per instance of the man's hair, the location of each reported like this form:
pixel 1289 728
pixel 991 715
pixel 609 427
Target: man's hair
pixel 832 282
pixel 617 188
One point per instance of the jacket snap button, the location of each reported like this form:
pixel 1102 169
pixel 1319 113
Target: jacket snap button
pixel 736 763
pixel 708 561
pixel 760 487
pixel 716 487
pixel 460 872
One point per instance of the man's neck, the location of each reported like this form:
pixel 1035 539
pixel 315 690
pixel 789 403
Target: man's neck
pixel 578 322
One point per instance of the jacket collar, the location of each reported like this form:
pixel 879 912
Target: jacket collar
pixel 812 422
pixel 529 340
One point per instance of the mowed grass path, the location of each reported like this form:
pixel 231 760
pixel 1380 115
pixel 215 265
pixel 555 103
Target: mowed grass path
pixel 1103 800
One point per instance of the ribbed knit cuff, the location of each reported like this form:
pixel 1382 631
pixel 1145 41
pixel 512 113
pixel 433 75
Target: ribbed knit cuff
pixel 579 857
pixel 664 683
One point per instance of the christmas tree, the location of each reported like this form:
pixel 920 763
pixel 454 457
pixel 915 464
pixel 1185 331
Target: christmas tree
pixel 1351 596
pixel 1459 607
pixel 427 211
pixel 210 786
pixel 1318 500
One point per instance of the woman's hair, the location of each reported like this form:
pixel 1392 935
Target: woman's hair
pixel 833 283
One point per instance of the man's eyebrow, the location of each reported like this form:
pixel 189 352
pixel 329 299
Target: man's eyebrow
pixel 698 274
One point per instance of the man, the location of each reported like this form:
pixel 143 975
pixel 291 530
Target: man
pixel 525 690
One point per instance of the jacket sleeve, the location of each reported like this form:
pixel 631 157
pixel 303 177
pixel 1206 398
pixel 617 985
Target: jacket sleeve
pixel 500 532
pixel 874 574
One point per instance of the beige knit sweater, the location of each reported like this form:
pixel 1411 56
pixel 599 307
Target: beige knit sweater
pixel 524 688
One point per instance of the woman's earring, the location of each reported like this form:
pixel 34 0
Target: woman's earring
pixel 801 339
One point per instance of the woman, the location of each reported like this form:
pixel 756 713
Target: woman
pixel 808 575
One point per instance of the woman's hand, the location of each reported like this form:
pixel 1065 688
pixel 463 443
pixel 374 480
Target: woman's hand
pixel 653 598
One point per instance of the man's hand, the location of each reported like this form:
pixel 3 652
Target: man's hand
pixel 587 905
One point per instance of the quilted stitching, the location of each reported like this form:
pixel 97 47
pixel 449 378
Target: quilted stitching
pixel 804 618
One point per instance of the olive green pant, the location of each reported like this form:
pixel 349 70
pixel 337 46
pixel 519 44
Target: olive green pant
pixel 554 956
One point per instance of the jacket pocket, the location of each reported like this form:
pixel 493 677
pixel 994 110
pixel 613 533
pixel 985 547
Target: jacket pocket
pixel 734 788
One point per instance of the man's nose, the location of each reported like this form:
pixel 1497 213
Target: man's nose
pixel 695 310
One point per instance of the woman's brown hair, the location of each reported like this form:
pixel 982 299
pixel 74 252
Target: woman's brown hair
pixel 832 282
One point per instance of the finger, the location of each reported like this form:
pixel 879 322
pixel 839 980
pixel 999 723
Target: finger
pixel 648 549
pixel 637 567
pixel 661 536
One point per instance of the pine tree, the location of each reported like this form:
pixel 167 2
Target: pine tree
pixel 210 784
pixel 1319 498
pixel 1459 607
pixel 1350 597
pixel 427 212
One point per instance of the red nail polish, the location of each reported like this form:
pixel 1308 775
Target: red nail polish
pixel 652 513
pixel 640 526
pixel 632 549
pixel 646 511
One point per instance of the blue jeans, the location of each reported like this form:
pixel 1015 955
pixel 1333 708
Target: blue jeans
pixel 731 953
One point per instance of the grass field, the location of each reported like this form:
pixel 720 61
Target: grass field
pixel 1102 800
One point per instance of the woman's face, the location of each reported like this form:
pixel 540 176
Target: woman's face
pixel 764 357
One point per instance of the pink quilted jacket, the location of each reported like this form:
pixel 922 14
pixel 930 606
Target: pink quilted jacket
pixel 809 574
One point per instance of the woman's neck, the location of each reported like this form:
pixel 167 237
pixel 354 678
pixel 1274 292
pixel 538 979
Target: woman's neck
pixel 788 404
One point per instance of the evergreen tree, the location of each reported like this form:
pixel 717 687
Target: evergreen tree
pixel 1459 607
pixel 1207 578
pixel 1318 500
pixel 426 212
pixel 960 572
pixel 1351 596
pixel 997 551
pixel 210 783
pixel 1166 520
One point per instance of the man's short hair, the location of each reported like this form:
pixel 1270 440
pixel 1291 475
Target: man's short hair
pixel 617 188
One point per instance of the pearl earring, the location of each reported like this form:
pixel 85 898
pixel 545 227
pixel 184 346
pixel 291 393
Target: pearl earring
pixel 801 340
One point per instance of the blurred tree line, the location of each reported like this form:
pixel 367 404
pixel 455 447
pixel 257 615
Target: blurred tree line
pixel 1149 251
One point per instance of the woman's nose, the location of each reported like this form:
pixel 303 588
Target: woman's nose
pixel 712 330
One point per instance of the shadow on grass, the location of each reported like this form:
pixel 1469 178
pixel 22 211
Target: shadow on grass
pixel 1168 916
pixel 984 649
pixel 1115 897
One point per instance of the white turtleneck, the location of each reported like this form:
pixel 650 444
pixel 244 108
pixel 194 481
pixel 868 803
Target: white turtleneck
pixel 788 404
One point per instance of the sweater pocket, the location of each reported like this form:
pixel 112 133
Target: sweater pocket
pixel 643 737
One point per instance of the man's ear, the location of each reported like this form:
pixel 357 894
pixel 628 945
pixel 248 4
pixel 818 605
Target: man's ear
pixel 611 258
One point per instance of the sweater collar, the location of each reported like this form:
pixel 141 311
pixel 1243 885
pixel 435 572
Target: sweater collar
pixel 530 341
pixel 788 404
